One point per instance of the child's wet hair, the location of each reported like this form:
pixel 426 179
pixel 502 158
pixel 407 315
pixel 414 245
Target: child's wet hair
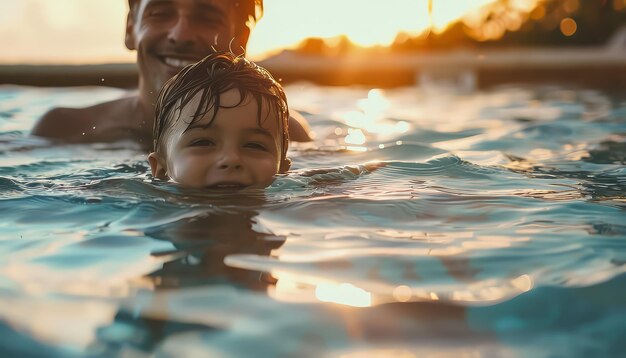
pixel 214 75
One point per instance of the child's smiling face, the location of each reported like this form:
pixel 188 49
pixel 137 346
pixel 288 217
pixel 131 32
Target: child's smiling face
pixel 232 152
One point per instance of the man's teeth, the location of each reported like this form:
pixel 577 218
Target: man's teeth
pixel 177 62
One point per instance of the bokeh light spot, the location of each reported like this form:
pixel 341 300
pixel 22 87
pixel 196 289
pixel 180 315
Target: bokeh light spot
pixel 568 26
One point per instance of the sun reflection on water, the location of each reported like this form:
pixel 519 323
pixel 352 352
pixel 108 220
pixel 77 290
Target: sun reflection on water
pixel 375 105
pixel 355 148
pixel 298 288
pixel 371 117
pixel 344 294
pixel 355 136
pixel 402 293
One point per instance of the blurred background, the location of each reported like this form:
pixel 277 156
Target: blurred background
pixel 380 42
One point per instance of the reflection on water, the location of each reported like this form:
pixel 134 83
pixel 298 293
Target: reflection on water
pixel 418 223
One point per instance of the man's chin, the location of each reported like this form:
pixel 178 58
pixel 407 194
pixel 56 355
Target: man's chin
pixel 171 72
pixel 162 78
pixel 156 80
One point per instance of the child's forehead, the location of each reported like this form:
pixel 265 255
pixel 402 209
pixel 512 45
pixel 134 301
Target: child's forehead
pixel 229 98
pixel 200 112
pixel 232 99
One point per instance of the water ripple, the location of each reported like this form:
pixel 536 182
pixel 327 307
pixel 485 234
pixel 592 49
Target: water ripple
pixel 494 225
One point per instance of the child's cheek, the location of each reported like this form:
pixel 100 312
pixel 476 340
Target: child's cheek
pixel 184 168
pixel 269 168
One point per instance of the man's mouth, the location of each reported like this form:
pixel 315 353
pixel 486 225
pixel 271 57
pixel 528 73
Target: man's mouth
pixel 177 62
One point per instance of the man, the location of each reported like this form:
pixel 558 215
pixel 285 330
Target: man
pixel 167 35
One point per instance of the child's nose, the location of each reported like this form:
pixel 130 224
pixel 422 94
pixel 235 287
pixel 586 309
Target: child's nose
pixel 229 160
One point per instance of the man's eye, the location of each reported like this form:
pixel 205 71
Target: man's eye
pixel 202 143
pixel 158 13
pixel 256 146
pixel 208 18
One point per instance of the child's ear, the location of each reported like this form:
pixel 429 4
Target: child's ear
pixel 285 165
pixel 159 169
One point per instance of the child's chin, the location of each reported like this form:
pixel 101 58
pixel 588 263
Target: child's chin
pixel 225 188
pixel 237 188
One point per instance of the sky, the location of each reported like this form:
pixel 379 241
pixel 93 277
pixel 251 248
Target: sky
pixel 92 31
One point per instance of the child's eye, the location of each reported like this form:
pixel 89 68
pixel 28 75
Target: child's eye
pixel 256 146
pixel 201 143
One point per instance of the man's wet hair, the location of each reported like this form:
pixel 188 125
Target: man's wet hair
pixel 246 9
pixel 214 75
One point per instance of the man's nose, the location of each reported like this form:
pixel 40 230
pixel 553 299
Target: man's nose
pixel 182 32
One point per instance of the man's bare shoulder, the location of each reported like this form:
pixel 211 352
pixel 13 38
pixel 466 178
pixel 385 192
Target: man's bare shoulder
pixel 60 123
pixel 299 129
pixel 87 124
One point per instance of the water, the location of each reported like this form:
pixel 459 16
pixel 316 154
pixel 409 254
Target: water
pixel 421 222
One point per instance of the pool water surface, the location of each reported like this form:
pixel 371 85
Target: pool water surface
pixel 420 222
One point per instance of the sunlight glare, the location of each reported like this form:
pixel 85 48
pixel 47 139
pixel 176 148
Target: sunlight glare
pixel 64 32
pixel 61 14
pixel 447 11
pixel 286 23
pixel 90 31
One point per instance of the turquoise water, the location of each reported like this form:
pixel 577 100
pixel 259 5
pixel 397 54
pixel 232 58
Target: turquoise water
pixel 421 222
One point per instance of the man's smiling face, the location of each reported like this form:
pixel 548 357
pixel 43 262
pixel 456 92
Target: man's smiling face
pixel 170 34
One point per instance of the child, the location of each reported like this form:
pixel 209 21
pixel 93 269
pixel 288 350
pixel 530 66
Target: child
pixel 221 124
